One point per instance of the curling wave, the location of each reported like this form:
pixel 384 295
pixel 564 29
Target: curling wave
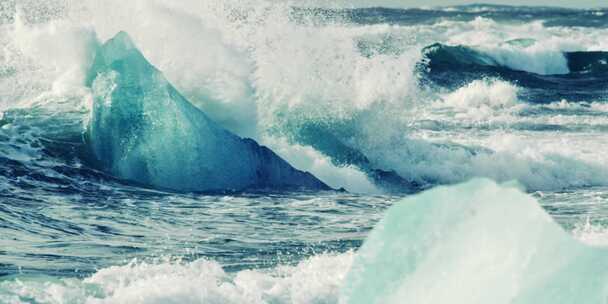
pixel 547 76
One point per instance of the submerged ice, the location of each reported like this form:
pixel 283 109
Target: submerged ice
pixel 142 129
pixel 478 242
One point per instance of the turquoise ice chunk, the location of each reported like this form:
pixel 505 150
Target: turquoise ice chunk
pixel 142 129
pixel 478 242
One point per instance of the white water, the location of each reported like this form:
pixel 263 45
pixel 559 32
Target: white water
pixel 315 280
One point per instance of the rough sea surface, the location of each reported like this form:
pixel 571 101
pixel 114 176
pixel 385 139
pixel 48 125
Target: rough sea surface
pixel 384 103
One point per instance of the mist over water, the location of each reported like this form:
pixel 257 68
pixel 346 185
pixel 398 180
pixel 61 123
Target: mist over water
pixel 381 102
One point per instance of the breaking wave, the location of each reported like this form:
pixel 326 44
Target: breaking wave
pixel 346 101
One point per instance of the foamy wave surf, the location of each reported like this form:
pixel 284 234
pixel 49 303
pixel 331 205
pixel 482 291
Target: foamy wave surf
pixel 315 280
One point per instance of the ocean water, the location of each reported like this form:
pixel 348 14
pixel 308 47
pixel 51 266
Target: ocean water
pixel 379 104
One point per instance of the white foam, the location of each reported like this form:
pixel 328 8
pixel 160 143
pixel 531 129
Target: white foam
pixel 481 99
pixel 314 280
pixel 594 235
pixel 48 62
pixel 544 56
pixel 307 158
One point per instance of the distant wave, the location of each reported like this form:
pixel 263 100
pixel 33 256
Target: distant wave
pixel 566 75
pixel 551 16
